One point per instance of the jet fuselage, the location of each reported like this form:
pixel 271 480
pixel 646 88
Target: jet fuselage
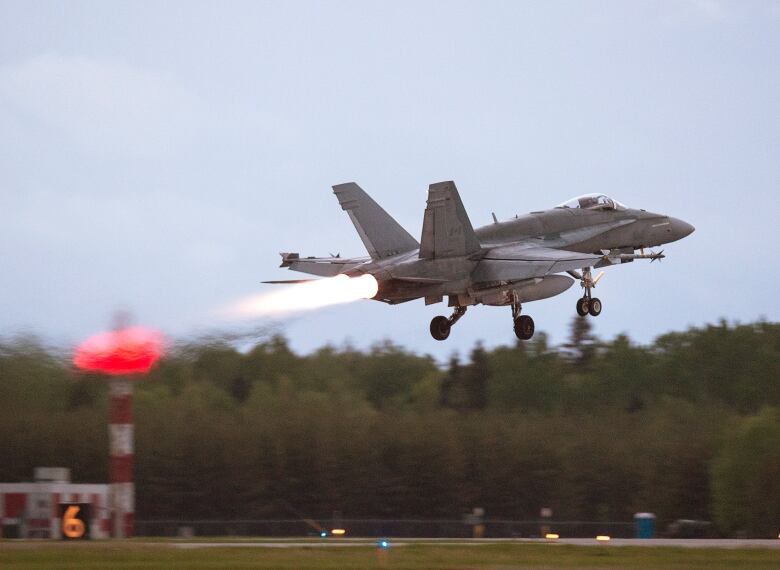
pixel 406 276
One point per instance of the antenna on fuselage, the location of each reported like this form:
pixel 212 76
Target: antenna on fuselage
pixel 495 219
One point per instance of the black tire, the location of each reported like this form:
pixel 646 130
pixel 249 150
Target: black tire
pixel 583 306
pixel 440 328
pixel 524 327
pixel 594 307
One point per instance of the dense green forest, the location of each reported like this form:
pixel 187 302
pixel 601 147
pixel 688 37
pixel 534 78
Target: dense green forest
pixel 687 427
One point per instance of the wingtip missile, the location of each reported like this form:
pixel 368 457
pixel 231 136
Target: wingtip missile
pixel 288 258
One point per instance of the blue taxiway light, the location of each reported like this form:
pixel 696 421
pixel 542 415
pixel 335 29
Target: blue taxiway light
pixel 383 543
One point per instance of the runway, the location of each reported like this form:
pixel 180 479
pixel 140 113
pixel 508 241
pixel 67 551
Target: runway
pixel 725 543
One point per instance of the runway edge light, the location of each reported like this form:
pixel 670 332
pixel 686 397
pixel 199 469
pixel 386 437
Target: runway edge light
pixel 338 532
pixel 551 536
pixel 603 538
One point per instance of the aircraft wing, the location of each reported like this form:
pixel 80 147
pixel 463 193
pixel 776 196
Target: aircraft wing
pixel 526 261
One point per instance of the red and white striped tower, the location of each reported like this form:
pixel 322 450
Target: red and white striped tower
pixel 125 355
pixel 120 434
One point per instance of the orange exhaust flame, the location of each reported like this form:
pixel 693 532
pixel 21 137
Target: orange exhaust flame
pixel 304 297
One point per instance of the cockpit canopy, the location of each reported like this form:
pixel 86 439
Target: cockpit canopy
pixel 593 202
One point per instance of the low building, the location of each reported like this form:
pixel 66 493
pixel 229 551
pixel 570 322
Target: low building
pixel 36 510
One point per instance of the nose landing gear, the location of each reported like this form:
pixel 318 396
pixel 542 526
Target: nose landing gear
pixel 440 326
pixel 587 304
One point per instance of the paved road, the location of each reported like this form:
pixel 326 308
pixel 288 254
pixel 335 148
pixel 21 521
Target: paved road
pixel 329 543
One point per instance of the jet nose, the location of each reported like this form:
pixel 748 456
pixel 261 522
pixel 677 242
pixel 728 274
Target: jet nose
pixel 680 229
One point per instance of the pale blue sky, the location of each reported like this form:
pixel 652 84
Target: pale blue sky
pixel 157 156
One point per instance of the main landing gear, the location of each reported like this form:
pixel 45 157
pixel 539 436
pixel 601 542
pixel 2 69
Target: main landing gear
pixel 524 325
pixel 440 326
pixel 587 304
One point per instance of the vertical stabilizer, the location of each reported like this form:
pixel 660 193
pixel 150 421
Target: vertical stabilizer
pixel 381 234
pixel 447 230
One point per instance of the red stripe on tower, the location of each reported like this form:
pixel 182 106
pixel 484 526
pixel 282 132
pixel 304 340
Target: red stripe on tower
pixel 121 469
pixel 121 409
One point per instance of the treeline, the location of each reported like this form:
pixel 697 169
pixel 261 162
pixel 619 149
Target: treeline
pixel 687 427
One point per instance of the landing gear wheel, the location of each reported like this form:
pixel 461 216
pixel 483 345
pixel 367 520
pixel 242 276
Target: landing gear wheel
pixel 594 307
pixel 583 306
pixel 524 327
pixel 440 328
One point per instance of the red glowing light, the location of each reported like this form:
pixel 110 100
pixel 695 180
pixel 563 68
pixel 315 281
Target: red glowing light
pixel 132 350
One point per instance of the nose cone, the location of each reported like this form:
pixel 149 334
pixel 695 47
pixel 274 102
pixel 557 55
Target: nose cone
pixel 680 229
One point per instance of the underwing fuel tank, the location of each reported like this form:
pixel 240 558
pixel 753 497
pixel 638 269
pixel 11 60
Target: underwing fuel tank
pixel 524 291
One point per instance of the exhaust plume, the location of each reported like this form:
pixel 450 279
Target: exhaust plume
pixel 304 297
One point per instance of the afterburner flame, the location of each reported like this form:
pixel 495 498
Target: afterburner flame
pixel 305 296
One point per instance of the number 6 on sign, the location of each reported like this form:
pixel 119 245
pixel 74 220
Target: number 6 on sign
pixel 72 527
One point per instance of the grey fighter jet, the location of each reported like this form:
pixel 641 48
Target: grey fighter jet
pixel 508 263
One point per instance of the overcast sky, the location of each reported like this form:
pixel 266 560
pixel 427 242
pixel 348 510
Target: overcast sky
pixel 155 156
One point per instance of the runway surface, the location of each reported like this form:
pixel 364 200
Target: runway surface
pixel 615 542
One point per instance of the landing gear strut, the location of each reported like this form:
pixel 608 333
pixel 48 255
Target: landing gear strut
pixel 587 304
pixel 440 326
pixel 524 325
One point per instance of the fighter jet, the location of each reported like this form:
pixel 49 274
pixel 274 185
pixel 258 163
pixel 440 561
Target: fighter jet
pixel 506 263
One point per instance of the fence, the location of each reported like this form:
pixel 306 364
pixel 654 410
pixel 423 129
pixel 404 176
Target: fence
pixel 399 528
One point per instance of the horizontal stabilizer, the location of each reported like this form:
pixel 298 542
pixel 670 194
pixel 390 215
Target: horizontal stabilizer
pixel 320 266
pixel 447 230
pixel 381 234
pixel 287 281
